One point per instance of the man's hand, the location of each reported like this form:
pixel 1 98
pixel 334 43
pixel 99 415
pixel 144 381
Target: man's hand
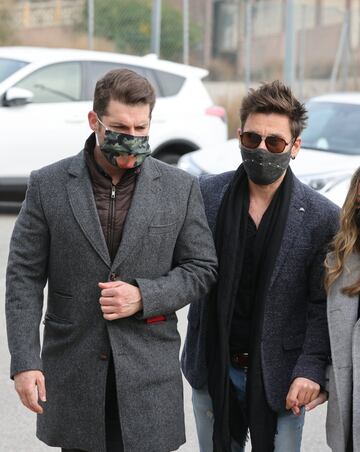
pixel 119 299
pixel 30 386
pixel 302 391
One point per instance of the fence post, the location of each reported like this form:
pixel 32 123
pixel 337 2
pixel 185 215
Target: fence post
pixel 248 39
pixel 91 24
pixel 156 27
pixel 302 51
pixel 186 31
pixel 26 15
pixel 347 50
pixel 339 55
pixel 58 12
pixel 290 33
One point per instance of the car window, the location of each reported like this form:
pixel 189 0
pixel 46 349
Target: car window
pixel 54 83
pixel 8 67
pixel 170 84
pixel 97 69
pixel 333 127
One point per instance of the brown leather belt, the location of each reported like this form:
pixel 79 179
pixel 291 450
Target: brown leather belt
pixel 239 360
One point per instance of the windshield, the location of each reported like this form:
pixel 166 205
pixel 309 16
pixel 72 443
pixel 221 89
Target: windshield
pixel 332 127
pixel 8 67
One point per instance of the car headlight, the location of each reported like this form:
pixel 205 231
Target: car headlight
pixel 187 164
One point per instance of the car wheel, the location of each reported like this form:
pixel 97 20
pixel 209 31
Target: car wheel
pixel 171 159
pixel 173 151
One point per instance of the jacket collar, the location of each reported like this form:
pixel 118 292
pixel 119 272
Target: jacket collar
pixel 82 201
pixel 350 274
pixel 142 208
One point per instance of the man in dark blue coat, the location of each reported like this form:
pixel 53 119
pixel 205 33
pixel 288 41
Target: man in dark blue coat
pixel 257 347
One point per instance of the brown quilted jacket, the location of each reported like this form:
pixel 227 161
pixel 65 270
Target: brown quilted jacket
pixel 112 201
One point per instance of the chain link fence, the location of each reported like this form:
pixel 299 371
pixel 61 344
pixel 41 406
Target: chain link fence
pixel 312 44
pixel 123 26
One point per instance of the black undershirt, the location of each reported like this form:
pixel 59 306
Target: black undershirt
pixel 241 321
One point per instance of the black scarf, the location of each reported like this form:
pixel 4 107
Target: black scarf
pixel 232 418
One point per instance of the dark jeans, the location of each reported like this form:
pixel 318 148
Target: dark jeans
pixel 112 421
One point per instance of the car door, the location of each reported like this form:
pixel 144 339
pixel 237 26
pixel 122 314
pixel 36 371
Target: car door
pixel 53 126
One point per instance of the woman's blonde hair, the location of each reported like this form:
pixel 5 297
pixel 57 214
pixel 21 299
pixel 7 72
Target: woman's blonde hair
pixel 346 241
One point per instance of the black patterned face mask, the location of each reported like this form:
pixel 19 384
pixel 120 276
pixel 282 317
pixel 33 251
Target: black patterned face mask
pixel 126 146
pixel 264 167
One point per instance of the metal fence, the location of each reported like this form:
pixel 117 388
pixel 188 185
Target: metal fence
pixel 165 27
pixel 299 41
pixel 241 40
pixel 43 14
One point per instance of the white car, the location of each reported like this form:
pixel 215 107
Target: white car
pixel 330 150
pixel 46 95
pixel 337 193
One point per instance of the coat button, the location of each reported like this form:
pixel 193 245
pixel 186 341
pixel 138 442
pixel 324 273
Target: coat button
pixel 104 356
pixel 113 277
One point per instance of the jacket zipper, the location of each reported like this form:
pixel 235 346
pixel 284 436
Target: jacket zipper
pixel 111 220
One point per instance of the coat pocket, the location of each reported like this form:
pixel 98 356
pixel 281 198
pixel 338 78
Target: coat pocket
pixel 60 307
pixel 58 293
pixel 50 317
pixel 155 229
pixel 59 336
pixel 164 222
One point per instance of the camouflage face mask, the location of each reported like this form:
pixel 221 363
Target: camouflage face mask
pixel 118 144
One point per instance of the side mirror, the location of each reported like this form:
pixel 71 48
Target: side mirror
pixel 17 96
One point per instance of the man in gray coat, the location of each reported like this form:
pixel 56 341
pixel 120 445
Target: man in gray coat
pixel 122 241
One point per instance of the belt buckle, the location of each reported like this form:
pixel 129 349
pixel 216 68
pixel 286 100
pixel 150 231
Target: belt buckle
pixel 240 360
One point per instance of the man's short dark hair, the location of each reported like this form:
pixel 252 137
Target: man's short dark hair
pixel 122 85
pixel 275 97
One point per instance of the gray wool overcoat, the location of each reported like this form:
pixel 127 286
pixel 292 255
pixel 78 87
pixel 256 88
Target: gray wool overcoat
pixel 344 374
pixel 166 249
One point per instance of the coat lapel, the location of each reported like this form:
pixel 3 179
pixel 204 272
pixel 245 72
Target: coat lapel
pixel 83 205
pixel 342 314
pixel 356 385
pixel 292 228
pixel 344 336
pixel 142 209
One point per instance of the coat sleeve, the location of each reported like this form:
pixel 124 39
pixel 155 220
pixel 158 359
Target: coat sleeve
pixel 315 354
pixel 194 265
pixel 25 281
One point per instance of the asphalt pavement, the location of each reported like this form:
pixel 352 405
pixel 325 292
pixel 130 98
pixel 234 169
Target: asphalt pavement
pixel 17 424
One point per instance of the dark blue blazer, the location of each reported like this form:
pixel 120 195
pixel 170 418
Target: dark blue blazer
pixel 295 340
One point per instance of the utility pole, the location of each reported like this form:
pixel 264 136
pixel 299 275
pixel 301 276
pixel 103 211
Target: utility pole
pixel 290 37
pixel 156 27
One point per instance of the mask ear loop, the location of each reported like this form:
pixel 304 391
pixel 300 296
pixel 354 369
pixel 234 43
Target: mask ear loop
pixel 96 135
pixel 97 139
pixel 293 157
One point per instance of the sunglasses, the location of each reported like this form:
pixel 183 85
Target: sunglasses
pixel 273 143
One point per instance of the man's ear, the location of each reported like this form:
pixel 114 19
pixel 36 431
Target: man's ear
pixel 93 120
pixel 295 148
